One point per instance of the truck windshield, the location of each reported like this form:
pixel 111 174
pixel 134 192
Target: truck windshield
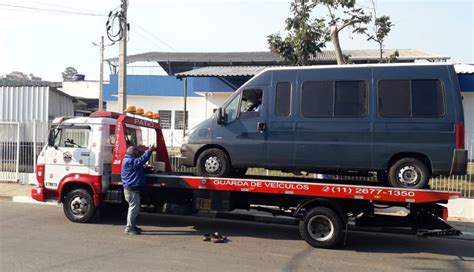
pixel 70 136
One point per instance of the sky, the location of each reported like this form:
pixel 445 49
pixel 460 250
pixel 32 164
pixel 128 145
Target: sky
pixel 39 41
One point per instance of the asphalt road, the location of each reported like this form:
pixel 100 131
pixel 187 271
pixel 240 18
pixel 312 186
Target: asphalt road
pixel 40 238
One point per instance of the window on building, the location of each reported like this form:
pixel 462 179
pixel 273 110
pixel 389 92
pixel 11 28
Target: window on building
pixel 410 98
pixel 283 99
pixel 179 122
pixel 165 119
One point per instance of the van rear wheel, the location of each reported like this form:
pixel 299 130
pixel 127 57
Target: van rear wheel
pixel 213 162
pixel 409 173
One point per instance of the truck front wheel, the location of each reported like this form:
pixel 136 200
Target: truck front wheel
pixel 78 206
pixel 321 227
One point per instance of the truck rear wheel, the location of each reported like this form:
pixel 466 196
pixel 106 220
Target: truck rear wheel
pixel 409 173
pixel 321 227
pixel 213 162
pixel 78 206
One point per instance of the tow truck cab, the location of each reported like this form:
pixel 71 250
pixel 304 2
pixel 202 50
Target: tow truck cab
pixel 86 153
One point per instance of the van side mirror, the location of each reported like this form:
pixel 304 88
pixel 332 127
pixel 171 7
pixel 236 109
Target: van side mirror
pixel 220 116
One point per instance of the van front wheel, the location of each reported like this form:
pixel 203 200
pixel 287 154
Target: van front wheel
pixel 409 173
pixel 213 162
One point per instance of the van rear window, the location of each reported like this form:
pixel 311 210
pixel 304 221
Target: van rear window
pixel 327 99
pixel 411 98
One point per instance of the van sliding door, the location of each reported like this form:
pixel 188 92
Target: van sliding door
pixel 334 126
pixel 281 120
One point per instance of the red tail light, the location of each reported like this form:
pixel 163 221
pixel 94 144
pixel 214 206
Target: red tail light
pixel 460 135
pixel 40 175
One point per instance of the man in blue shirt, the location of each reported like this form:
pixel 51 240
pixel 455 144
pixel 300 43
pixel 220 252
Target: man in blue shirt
pixel 133 177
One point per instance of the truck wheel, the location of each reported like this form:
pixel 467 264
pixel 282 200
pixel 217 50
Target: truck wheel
pixel 321 227
pixel 78 206
pixel 409 173
pixel 213 162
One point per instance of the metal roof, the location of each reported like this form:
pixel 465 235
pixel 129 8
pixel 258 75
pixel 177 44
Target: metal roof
pixel 265 56
pixel 223 71
pixel 177 62
pixel 464 68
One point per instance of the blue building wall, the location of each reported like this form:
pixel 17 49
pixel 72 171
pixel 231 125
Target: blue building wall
pixel 466 82
pixel 142 85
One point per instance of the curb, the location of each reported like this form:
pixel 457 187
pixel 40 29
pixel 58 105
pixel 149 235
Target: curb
pixel 27 199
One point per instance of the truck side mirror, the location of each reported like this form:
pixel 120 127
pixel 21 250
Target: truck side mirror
pixel 51 138
pixel 220 117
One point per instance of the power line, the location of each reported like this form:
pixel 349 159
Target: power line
pixel 57 11
pixel 61 6
pixel 148 40
pixel 153 36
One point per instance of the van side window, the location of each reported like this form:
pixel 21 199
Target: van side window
pixel 317 99
pixel 251 104
pixel 327 99
pixel 427 98
pixel 283 99
pixel 351 99
pixel 410 98
pixel 230 112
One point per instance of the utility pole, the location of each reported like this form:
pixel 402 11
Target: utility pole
pixel 122 76
pixel 101 78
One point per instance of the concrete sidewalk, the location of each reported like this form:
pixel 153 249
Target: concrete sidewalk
pixel 10 190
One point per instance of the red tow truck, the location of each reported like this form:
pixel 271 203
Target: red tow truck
pixel 81 163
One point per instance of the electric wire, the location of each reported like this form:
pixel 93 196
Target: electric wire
pixel 153 36
pixel 56 11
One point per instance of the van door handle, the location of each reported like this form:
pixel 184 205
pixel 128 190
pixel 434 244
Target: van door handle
pixel 261 126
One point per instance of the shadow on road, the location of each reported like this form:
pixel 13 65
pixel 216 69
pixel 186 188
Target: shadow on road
pixel 359 241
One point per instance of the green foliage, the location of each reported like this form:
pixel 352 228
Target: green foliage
pixel 393 57
pixel 383 25
pixel 305 36
pixel 68 73
pixel 353 17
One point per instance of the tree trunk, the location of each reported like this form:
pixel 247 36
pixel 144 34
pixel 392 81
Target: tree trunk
pixel 337 45
pixel 381 52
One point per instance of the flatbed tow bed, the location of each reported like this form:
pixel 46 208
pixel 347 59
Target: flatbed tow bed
pixel 84 178
pixel 332 205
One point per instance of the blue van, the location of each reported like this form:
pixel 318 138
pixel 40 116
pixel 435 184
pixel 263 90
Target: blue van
pixel 403 122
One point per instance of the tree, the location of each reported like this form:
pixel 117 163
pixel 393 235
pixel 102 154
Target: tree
pixel 353 17
pixel 305 36
pixel 69 73
pixel 382 26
